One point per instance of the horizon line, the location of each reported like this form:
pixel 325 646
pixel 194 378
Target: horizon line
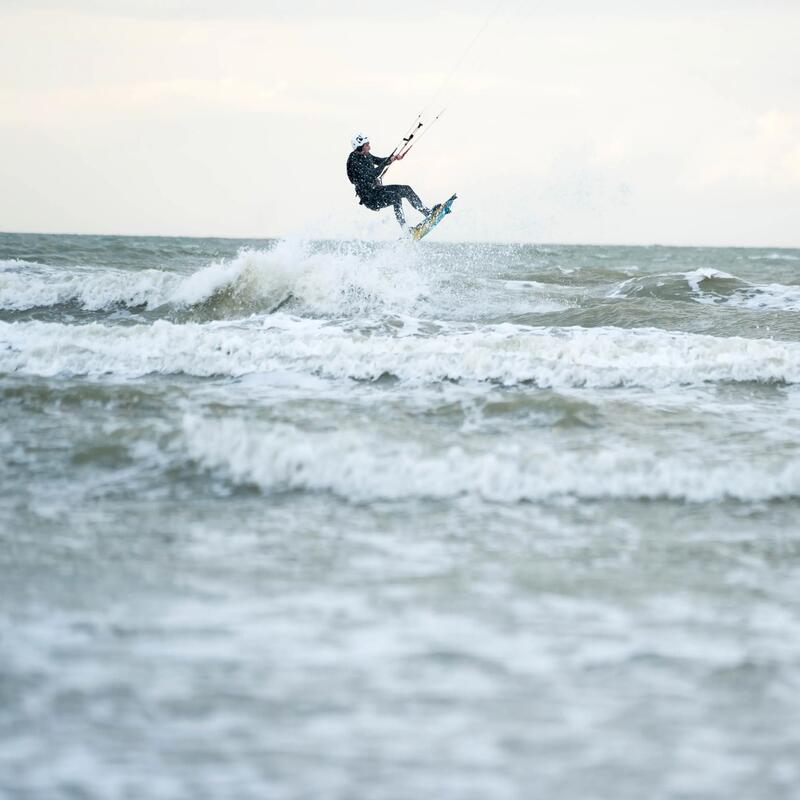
pixel 378 241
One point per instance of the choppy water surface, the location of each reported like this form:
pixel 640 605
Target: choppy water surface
pixel 341 520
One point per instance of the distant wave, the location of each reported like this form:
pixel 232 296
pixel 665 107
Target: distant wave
pixel 674 286
pixel 506 354
pixel 774 257
pixel 713 286
pixel 362 468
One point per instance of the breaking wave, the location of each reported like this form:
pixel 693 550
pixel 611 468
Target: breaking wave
pixel 364 468
pixel 711 287
pixel 29 286
pixel 254 281
pixel 506 354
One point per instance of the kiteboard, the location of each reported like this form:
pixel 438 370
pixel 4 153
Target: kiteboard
pixel 438 213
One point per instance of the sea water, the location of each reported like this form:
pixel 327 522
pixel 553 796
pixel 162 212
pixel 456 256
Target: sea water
pixel 285 519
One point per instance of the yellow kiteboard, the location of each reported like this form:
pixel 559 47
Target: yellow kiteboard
pixel 438 213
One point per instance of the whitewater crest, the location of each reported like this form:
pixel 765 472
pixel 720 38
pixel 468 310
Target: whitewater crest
pixel 505 354
pixel 29 286
pixel 711 286
pixel 342 282
pixel 362 467
pixel 697 277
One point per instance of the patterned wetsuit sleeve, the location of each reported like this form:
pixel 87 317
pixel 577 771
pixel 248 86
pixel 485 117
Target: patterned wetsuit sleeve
pixel 379 162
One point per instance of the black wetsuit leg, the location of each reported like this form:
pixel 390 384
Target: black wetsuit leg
pixel 393 195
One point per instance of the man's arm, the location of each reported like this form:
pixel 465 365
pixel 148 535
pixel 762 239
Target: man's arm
pixel 380 163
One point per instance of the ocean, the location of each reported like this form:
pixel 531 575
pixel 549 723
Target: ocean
pixel 286 519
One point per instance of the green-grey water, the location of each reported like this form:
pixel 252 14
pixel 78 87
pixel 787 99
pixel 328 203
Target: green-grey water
pixel 336 519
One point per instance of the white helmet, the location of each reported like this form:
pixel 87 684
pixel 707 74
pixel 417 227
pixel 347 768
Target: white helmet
pixel 358 140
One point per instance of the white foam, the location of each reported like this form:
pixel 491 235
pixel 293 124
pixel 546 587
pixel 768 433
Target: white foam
pixel 507 354
pixel 343 282
pixel 773 297
pixel 364 467
pixel 696 277
pixel 13 263
pixel 533 304
pixel 322 283
pixel 93 289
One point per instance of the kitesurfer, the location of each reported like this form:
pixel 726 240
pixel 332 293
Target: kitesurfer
pixel 363 171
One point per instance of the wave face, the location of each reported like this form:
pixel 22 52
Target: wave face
pixel 294 518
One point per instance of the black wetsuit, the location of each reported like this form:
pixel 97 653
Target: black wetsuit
pixel 363 170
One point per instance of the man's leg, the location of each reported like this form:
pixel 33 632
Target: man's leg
pixel 398 212
pixel 389 195
pixel 411 196
pixel 393 196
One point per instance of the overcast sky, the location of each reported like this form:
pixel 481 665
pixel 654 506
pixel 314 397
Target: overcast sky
pixel 571 121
